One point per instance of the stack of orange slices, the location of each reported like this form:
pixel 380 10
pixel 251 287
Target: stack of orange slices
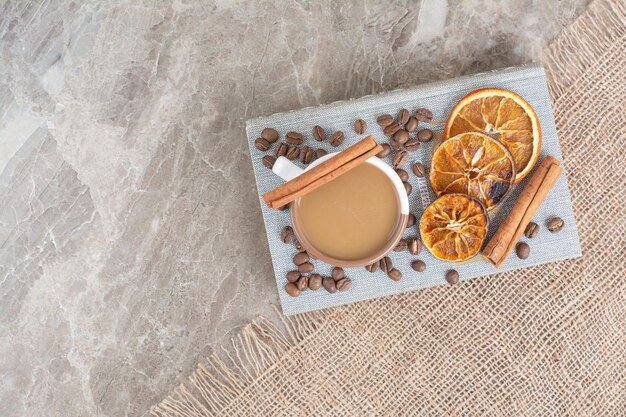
pixel 491 140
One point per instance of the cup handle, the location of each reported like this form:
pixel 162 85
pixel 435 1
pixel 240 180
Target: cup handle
pixel 286 169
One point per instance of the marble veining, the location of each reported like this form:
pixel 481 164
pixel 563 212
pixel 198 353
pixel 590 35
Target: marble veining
pixel 131 240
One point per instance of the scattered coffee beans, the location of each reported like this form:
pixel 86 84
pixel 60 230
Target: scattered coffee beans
pixel 337 273
pixel 303 283
pixel 403 116
pixel 411 125
pixel 329 285
pixel 269 134
pixel 523 250
pixel 400 158
pixel 408 187
pixel 315 282
pixel 418 169
pixel 452 277
pixel 294 138
pixel 394 144
pixel 418 265
pixel 415 246
pixel 344 284
pixel 299 246
pixel 425 135
pixel 336 138
pixel 411 221
pixel 401 136
pixel 360 126
pixel 401 246
pixel 531 230
pixel 287 235
pixel 262 144
pixel 301 258
pixel 292 153
pixel 404 176
pixel 391 129
pixel 423 115
pixel 281 150
pixel 412 145
pixel 292 289
pixel 386 264
pixel 306 155
pixel 386 151
pixel 318 133
pixel 555 224
pixel 320 152
pixel 394 274
pixel 268 161
pixel 384 120
pixel 373 267
pixel 306 267
pixel 293 276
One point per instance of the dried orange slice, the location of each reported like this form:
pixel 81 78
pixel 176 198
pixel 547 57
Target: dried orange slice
pixel 454 227
pixel 473 164
pixel 504 115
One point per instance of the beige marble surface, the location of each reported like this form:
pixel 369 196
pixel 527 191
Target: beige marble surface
pixel 131 241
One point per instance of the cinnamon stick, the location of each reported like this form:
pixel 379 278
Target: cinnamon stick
pixel 509 232
pixel 322 173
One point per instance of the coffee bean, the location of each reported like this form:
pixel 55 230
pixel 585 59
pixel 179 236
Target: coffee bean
pixel 320 152
pixel 299 246
pixel 403 116
pixel 386 264
pixel 386 151
pixel 281 150
pixel 337 273
pixel 412 145
pixel 285 207
pixel 411 125
pixel 306 155
pixel 415 246
pixel 531 230
pixel 292 153
pixel 287 235
pixel 400 158
pixel 344 284
pixel 400 246
pixel 418 265
pixel 411 221
pixel 301 258
pixel 394 274
pixel 384 120
pixel 318 133
pixel 262 144
pixel 555 224
pixel 423 115
pixel 419 170
pixel 293 276
pixel 292 289
pixel 452 277
pixel 294 138
pixel 401 136
pixel 394 144
pixel 360 126
pixel 391 129
pixel 268 161
pixel 373 267
pixel 425 135
pixel 523 250
pixel 269 134
pixel 315 282
pixel 329 285
pixel 408 187
pixel 303 283
pixel 306 267
pixel 336 138
pixel 402 174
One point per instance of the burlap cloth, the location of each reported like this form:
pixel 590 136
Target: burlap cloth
pixel 542 341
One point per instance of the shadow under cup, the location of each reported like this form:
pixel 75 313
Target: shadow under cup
pixel 351 204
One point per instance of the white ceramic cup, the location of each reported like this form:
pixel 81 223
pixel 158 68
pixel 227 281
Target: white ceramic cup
pixel 287 170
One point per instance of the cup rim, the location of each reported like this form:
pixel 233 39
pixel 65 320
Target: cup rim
pixel 397 235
